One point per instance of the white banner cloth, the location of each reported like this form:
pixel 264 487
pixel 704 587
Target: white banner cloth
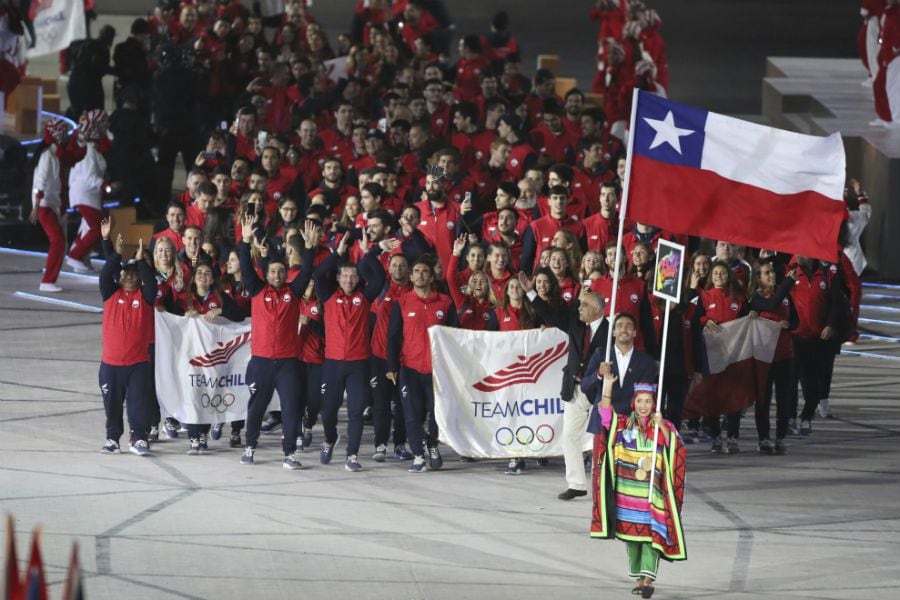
pixel 57 23
pixel 200 368
pixel 497 394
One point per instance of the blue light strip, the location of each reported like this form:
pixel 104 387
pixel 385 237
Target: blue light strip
pixel 60 302
pixel 881 296
pixel 884 308
pixel 77 275
pixel 35 253
pixel 880 338
pixel 884 286
pixel 870 355
pixel 879 321
pixel 22 252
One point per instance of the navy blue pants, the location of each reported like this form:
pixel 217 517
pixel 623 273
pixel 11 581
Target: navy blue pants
pixel 195 431
pixel 811 369
pixel 121 384
pixel 417 395
pixel 264 377
pixel 337 376
pixel 312 401
pixel 780 379
pixel 387 409
pixel 151 376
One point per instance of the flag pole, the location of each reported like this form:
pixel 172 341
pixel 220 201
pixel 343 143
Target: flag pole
pixel 623 207
pixel 659 395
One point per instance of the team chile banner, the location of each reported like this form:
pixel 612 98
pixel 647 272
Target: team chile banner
pixel 496 394
pixel 700 173
pixel 200 368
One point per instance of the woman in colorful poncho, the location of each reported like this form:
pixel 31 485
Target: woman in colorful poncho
pixel 623 454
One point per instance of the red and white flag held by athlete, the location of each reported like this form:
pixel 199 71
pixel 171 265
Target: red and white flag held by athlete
pixel 701 173
pixel 736 367
pixel 497 394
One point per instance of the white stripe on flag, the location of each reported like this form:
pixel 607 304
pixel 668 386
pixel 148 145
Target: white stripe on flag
pixel 780 161
pixel 739 340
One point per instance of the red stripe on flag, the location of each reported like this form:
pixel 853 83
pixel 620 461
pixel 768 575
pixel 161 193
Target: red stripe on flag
pixel 740 385
pixel 699 202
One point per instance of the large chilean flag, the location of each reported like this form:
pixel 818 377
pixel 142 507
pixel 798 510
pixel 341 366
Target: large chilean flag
pixel 701 173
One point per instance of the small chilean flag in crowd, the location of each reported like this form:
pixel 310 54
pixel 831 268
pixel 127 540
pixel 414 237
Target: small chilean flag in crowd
pixel 701 173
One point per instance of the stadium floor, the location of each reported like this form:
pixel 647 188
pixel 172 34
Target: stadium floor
pixel 820 522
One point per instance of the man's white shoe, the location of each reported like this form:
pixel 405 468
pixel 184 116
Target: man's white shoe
pixel 78 266
pixel 50 287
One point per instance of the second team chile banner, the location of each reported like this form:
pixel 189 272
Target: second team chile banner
pixel 200 368
pixel 497 394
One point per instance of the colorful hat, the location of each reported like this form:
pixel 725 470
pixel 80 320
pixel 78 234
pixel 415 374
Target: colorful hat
pixel 645 387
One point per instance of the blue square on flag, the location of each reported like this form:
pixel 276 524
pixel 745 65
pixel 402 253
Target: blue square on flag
pixel 669 132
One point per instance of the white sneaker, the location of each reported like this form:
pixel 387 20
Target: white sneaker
pixel 824 409
pixel 879 123
pixel 50 287
pixel 78 266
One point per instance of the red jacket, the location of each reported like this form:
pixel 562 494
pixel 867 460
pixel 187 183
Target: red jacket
pixel 545 228
pixel 172 235
pixel 811 299
pixel 194 216
pixel 560 148
pixel 382 308
pixel 337 144
pixel 599 231
pixel 498 285
pixel 720 306
pixel 509 318
pixel 438 225
pixel 468 73
pixel 274 317
pixel 347 326
pixel 569 288
pixel 311 346
pixel 629 296
pixel 127 322
pixel 519 156
pixel 412 316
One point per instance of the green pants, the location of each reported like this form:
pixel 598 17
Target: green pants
pixel 643 559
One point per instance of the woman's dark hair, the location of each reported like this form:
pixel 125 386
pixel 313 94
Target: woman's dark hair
pixel 215 288
pixel 733 287
pixel 556 298
pixel 277 221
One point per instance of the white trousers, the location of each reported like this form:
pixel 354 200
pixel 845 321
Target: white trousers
pixel 576 440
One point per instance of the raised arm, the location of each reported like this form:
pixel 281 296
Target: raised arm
pixel 252 282
pixel 149 285
pixel 113 262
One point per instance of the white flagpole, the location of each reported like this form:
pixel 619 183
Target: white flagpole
pixel 623 207
pixel 659 395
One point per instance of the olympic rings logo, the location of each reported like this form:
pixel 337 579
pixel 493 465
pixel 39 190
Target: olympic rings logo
pixel 534 440
pixel 219 402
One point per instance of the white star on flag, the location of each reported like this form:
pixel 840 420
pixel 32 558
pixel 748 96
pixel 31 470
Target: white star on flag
pixel 667 133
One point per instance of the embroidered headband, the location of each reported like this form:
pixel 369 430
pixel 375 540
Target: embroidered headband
pixel 645 387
